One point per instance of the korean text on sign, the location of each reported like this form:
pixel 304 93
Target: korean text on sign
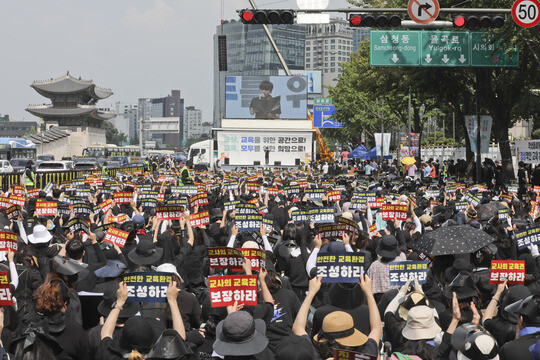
pixel 8 241
pixel 147 286
pixel 256 257
pixel 116 237
pixel 124 197
pixel 527 237
pixel 5 291
pixel 512 271
pixel 166 212
pixel 225 258
pixel 394 212
pixel 225 290
pixel 248 222
pixel 340 267
pixel 199 219
pixel 334 195
pixel 46 208
pixel 402 271
pixel 322 215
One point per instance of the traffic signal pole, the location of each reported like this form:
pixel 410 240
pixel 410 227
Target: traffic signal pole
pixel 273 43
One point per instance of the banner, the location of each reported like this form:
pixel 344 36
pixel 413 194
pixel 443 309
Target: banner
pixel 105 205
pixel 503 214
pixel 46 208
pixel 527 237
pixel 123 197
pixel 199 219
pixel 148 286
pixel 528 151
pixel 382 142
pixel 394 212
pixel 199 199
pixel 17 200
pixel 116 237
pixel 248 222
pixel 5 291
pixel 485 132
pixel 225 258
pixel 32 193
pixel 230 205
pixel 461 205
pixel 8 241
pixel 13 212
pixel 314 194
pixel 19 190
pixel 470 198
pixel 257 258
pixel 512 271
pixel 83 209
pixel 402 271
pixel 322 215
pixel 167 212
pixel 333 231
pixel 378 143
pixel 225 290
pixel 4 202
pixel 340 267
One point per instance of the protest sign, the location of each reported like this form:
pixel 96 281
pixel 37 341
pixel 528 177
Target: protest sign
pixel 46 208
pixel 257 258
pixel 83 209
pixel 503 214
pixel 512 189
pixel 225 290
pixel 199 219
pixel 527 237
pixel 19 190
pixel 33 193
pixel 262 210
pixel 403 271
pixel 17 200
pixel 63 209
pixel 332 231
pixel 225 258
pixel 246 208
pixel 350 226
pixel 358 204
pixel 253 186
pixel 314 194
pixel 116 237
pixel 117 219
pixel 340 267
pixel 4 202
pixel 231 185
pixel 5 290
pixel 512 271
pixel 148 286
pixel 334 195
pixel 8 241
pixel 368 196
pixel 149 203
pixel 373 230
pixel 248 222
pixel 199 199
pixel 78 224
pixel 470 198
pixel 123 197
pixel 168 212
pixel 291 190
pixel 394 212
pixel 461 205
pixel 230 205
pixel 378 204
pixel 322 215
pixel 13 212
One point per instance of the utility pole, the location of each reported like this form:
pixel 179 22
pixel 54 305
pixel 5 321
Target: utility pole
pixel 478 139
pixel 141 122
pixel 273 43
pixel 409 124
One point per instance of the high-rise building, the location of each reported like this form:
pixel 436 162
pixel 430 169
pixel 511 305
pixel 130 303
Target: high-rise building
pixel 249 52
pixel 194 127
pixel 328 45
pixel 126 119
pixel 156 114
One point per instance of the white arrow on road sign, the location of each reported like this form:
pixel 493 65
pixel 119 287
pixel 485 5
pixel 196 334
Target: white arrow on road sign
pixel 445 58
pixel 395 58
pixel 428 58
pixel 462 58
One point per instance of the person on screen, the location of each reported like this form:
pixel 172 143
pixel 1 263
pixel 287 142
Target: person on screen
pixel 265 106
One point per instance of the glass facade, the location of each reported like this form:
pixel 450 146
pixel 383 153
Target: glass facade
pixel 249 52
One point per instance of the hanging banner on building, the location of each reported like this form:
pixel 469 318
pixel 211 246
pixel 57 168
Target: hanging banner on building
pixel 225 290
pixel 528 151
pixel 340 267
pixel 485 132
pixel 148 286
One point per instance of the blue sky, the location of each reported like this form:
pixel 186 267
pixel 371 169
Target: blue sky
pixel 138 48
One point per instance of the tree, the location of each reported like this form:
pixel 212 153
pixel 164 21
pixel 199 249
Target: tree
pixel 112 135
pixel 502 93
pixel 32 131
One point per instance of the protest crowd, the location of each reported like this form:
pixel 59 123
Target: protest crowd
pixel 348 260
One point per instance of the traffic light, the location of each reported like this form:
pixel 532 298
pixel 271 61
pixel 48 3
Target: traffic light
pixel 478 22
pixel 267 16
pixel 377 21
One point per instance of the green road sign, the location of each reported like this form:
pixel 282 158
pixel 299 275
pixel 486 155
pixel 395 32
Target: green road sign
pixel 394 48
pixel 322 101
pixel 436 48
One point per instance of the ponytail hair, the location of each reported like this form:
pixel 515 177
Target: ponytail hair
pixel 135 355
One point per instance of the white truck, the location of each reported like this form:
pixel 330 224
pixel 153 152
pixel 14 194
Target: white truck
pixel 201 154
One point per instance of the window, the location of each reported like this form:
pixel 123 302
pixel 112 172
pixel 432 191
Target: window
pixel 339 41
pixel 333 70
pixel 332 46
pixel 339 47
pixel 326 47
pixel 333 41
pixel 326 41
pixel 325 64
pixel 308 54
pixel 308 60
pixel 325 70
pixel 308 42
pixel 326 58
pixel 332 64
pixel 326 53
pixel 333 58
pixel 308 48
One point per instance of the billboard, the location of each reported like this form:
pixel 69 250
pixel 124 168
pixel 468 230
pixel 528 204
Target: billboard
pixel 323 117
pixel 314 79
pixel 266 97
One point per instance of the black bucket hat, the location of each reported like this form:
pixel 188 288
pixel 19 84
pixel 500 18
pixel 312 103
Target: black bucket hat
pixel 530 307
pixel 240 335
pixel 66 266
pixel 463 285
pixel 170 345
pixel 388 247
pixel 473 344
pixel 146 253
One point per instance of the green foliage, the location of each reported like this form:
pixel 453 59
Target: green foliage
pixel 32 131
pixel 536 134
pixel 112 135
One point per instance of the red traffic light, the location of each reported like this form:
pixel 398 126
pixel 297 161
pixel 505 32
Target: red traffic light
pixel 355 20
pixel 246 16
pixel 459 21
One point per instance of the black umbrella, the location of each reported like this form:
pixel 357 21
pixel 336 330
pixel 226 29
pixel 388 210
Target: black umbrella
pixel 487 211
pixel 460 239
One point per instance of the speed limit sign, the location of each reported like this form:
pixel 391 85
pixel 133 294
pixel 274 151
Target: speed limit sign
pixel 526 13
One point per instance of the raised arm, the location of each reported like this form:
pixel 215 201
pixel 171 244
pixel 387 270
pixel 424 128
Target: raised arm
pixel 299 326
pixel 374 316
pixel 172 295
